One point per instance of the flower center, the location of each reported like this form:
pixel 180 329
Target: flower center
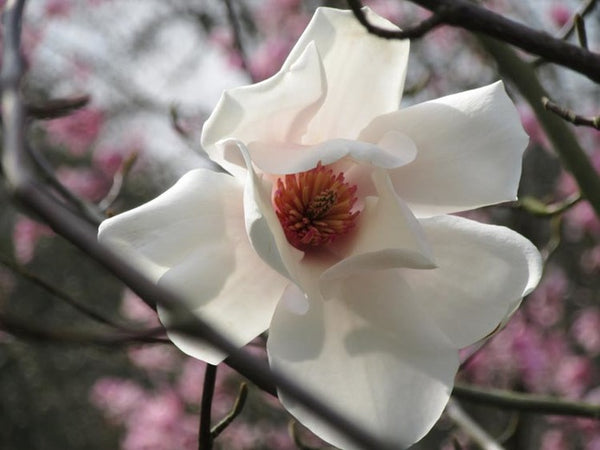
pixel 314 207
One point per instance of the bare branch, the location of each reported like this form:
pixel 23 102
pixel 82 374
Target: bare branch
pixel 538 404
pixel 26 330
pixel 234 24
pixel 417 31
pixel 118 181
pixel 56 292
pixel 53 109
pixel 238 406
pixel 472 428
pixel 538 208
pixel 205 437
pixel 471 17
pixel 570 116
pixel 581 33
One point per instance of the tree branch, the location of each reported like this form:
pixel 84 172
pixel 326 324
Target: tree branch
pixel 417 31
pixel 537 404
pixel 55 292
pixel 205 437
pixel 563 141
pixel 570 116
pixel 471 17
pixel 470 427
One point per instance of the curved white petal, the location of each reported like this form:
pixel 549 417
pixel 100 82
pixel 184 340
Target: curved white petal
pixel 483 273
pixel 394 150
pixel 365 74
pixel 369 352
pixel 193 238
pixel 469 151
pixel 274 110
pixel 386 236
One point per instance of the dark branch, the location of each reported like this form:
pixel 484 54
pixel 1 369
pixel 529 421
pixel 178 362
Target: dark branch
pixel 581 33
pixel 238 406
pixel 56 292
pixel 526 402
pixel 570 116
pixel 234 24
pixel 471 17
pixel 415 32
pixel 53 109
pixel 205 436
pixel 25 330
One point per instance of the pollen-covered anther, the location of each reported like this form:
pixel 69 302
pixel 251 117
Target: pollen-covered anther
pixel 315 207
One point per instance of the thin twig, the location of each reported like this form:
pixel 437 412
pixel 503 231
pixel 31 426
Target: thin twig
pixel 55 108
pixel 414 32
pixel 118 181
pixel 560 135
pixel 88 211
pixel 205 437
pixel 517 401
pixel 472 17
pixel 583 11
pixel 470 427
pixel 568 30
pixel 570 116
pixel 25 330
pixel 581 33
pixel 537 208
pixel 293 431
pixel 237 408
pixel 56 292
pixel 234 24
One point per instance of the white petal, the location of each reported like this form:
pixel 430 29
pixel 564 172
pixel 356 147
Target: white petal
pixel 274 110
pixel 387 235
pixel 365 74
pixel 370 353
pixel 483 273
pixel 194 238
pixel 263 227
pixel 394 150
pixel 469 151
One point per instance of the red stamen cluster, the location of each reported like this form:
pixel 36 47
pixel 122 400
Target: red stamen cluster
pixel 315 207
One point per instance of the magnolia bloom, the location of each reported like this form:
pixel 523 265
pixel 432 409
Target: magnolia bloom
pixel 331 229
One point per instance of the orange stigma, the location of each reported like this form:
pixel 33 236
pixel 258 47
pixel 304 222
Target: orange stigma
pixel 315 207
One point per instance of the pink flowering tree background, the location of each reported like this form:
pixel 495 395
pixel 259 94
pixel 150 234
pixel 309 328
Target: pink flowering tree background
pixel 134 85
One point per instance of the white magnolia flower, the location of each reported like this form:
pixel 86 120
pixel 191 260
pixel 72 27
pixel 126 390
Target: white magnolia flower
pixel 332 231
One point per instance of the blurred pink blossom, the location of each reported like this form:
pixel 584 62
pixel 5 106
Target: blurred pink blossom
pixel 590 260
pixel 26 234
pixel 154 357
pixel 58 8
pixel 391 10
pixel 117 397
pixel 572 375
pixel 586 330
pixel 84 182
pixel 268 58
pixel 134 308
pixel 559 14
pixel 554 439
pixel 532 127
pixel 160 423
pixel 76 132
pixel 545 305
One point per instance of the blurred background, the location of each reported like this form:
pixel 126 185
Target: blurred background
pixel 148 73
